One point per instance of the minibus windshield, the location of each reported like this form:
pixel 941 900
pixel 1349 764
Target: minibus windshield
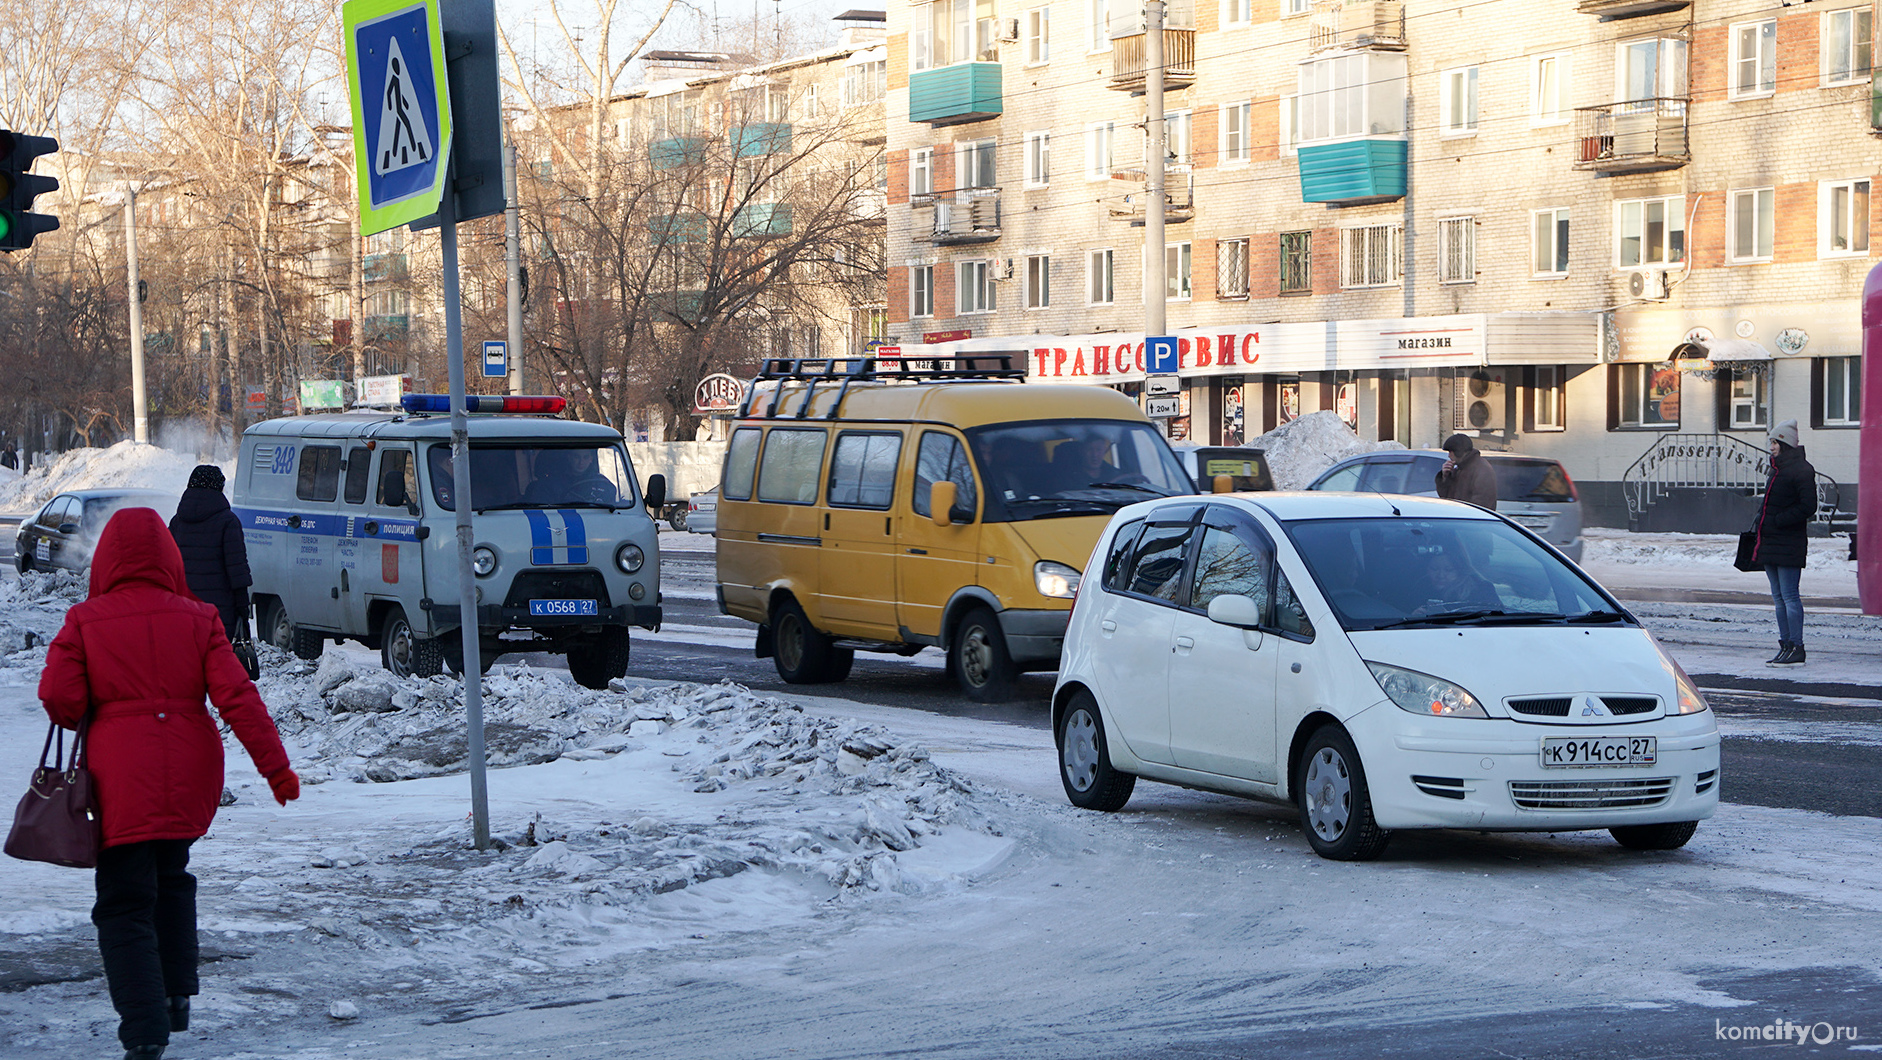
pixel 522 475
pixel 1057 468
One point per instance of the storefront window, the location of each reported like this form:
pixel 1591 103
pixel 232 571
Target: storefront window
pixel 1649 395
pixel 1234 422
pixel 1288 407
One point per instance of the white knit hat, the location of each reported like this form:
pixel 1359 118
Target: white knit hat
pixel 1785 432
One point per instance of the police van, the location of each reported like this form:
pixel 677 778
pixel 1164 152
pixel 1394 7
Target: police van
pixel 350 521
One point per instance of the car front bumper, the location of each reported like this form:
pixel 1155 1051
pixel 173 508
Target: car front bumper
pixel 1034 635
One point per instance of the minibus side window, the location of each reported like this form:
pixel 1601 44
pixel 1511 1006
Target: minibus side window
pixel 358 474
pixel 787 473
pixel 398 486
pixel 741 459
pixel 319 474
pixel 942 458
pixel 862 471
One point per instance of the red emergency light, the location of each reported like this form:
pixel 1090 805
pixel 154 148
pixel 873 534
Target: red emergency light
pixel 486 403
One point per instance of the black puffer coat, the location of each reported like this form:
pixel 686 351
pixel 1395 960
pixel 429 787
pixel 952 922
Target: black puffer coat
pixel 215 557
pixel 1790 501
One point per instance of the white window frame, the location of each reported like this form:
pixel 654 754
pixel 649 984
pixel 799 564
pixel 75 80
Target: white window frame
pixel 1849 413
pixel 966 173
pixel 1236 13
pixel 1372 256
pixel 1555 217
pixel 1673 209
pixel 1038 159
pixel 1288 126
pixel 1546 399
pixel 1291 8
pixel 920 291
pixel 1453 83
pixel 1237 248
pixel 1235 129
pixel 1038 36
pixel 1749 400
pixel 1177 128
pixel 921 172
pixel 1636 416
pixel 1350 96
pixel 1854 67
pixel 1544 110
pixel 1178 271
pixel 1753 53
pixel 1856 236
pixel 974 292
pixel 1101 277
pixel 1764 220
pixel 1671 76
pixel 1037 282
pixel 1098 25
pixel 1457 250
pixel 1100 149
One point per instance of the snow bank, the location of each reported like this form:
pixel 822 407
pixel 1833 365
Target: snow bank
pixel 1299 450
pixel 125 464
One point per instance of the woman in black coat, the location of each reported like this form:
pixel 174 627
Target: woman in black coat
pixel 1790 502
pixel 215 556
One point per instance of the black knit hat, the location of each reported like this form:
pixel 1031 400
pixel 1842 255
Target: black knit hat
pixel 1458 444
pixel 206 477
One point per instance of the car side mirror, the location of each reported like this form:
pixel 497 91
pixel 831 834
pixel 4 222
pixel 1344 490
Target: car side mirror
pixel 1231 609
pixel 68 528
pixel 1222 484
pixel 656 494
pixel 941 502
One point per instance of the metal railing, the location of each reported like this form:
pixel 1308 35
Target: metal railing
pixel 1357 24
pixel 1130 59
pixel 970 215
pixel 1709 461
pixel 1633 136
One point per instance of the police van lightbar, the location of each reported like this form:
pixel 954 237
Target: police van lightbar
pixel 441 403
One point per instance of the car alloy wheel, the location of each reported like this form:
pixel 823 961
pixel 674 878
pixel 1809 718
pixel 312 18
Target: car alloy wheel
pixel 1085 769
pixel 1329 794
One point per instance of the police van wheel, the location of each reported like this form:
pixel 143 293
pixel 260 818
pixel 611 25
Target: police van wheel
pixel 284 634
pixel 802 654
pixel 403 654
pixel 451 650
pixel 593 666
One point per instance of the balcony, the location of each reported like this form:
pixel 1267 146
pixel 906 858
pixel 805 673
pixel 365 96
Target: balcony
pixel 1131 63
pixel 678 228
pixel 952 95
pixel 968 216
pixel 1352 172
pixel 1130 199
pixel 1636 136
pixel 388 266
pixel 676 151
pixel 1609 10
pixel 1365 24
pixel 761 220
pixel 761 138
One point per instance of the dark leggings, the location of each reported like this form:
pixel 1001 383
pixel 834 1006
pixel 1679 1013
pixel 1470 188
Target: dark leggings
pixel 146 918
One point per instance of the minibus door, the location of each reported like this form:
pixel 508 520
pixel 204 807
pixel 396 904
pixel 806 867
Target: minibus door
pixel 933 560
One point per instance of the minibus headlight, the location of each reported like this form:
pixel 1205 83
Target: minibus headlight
pixel 629 557
pixel 483 560
pixel 1056 580
pixel 1425 694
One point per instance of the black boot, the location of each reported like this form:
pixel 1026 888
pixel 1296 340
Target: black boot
pixel 1783 652
pixel 144 1052
pixel 179 1013
pixel 1795 658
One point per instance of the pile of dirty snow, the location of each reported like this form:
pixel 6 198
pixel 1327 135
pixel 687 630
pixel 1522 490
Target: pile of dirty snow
pixel 32 608
pixel 126 464
pixel 1299 450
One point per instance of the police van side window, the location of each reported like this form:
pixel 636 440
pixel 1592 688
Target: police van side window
pixel 358 474
pixel 741 459
pixel 320 473
pixel 398 486
pixel 862 471
pixel 787 473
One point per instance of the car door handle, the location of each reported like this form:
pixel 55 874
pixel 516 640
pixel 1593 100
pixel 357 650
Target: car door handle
pixel 1108 626
pixel 1183 645
pixel 917 551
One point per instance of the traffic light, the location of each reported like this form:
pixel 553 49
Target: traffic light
pixel 18 187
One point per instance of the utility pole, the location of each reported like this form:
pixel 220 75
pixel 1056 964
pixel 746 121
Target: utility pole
pixel 513 264
pixel 1156 278
pixel 140 407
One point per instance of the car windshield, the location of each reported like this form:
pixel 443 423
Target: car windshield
pixel 1531 480
pixel 536 476
pixel 1405 573
pixel 1058 468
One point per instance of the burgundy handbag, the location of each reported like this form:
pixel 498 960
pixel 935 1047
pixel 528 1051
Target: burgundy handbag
pixel 57 820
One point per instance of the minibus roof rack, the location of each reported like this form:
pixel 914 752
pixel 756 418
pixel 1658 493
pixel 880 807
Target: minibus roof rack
pixel 848 370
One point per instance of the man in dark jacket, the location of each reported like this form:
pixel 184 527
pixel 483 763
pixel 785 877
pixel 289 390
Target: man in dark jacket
pixel 1467 476
pixel 215 556
pixel 1783 543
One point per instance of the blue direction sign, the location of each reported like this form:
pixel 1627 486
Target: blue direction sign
pixel 496 360
pixel 1160 355
pixel 401 109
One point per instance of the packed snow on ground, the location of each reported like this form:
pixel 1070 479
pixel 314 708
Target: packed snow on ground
pixel 126 464
pixel 1298 450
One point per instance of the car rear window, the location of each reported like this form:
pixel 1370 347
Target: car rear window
pixel 1531 480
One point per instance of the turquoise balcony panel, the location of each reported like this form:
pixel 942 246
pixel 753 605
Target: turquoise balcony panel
pixel 676 151
pixel 762 138
pixel 1352 171
pixel 954 94
pixel 761 219
pixel 678 228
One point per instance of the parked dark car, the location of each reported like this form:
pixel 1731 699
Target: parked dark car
pixel 1245 468
pixel 61 535
pixel 1534 492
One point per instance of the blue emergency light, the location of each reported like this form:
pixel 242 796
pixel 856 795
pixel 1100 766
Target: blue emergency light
pixel 441 403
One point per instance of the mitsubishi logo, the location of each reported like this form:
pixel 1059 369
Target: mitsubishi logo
pixel 1593 709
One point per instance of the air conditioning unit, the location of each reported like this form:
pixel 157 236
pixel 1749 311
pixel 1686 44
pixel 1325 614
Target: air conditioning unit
pixel 1480 399
pixel 1001 268
pixel 1649 285
pixel 1009 30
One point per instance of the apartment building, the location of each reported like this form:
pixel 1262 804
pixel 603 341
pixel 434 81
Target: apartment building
pixel 1628 234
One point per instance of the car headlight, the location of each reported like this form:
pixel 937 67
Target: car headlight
pixel 483 560
pixel 1690 701
pixel 629 557
pixel 1056 580
pixel 1425 694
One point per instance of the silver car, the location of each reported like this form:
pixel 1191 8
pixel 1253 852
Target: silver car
pixel 1532 491
pixel 702 512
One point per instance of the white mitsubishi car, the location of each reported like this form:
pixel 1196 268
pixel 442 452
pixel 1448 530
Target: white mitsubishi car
pixel 1382 663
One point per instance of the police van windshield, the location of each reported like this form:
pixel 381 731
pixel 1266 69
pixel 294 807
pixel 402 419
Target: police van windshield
pixel 533 476
pixel 1051 469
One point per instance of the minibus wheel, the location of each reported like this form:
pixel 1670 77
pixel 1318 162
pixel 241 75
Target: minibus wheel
pixel 978 659
pixel 1335 804
pixel 803 655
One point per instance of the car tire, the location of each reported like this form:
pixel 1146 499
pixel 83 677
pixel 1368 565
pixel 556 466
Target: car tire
pixel 281 631
pixel 841 659
pixel 451 650
pixel 1335 803
pixel 802 653
pixel 678 519
pixel 1091 782
pixel 1669 836
pixel 978 659
pixel 594 665
pixel 401 651
pixel 23 560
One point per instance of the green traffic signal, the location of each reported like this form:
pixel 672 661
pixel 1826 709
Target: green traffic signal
pixel 19 225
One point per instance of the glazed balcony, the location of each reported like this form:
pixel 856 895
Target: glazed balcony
pixel 1635 136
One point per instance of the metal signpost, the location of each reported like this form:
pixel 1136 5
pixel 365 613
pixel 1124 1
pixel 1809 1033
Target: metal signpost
pixel 402 152
pixel 496 360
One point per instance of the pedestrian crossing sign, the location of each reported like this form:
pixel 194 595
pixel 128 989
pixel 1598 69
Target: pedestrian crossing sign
pixel 401 109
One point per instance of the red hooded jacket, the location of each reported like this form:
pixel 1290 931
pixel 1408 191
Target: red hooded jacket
pixel 146 654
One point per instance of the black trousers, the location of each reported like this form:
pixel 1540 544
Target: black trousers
pixel 146 919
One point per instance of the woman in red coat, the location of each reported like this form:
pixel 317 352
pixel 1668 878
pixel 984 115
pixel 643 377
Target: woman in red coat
pixel 143 654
